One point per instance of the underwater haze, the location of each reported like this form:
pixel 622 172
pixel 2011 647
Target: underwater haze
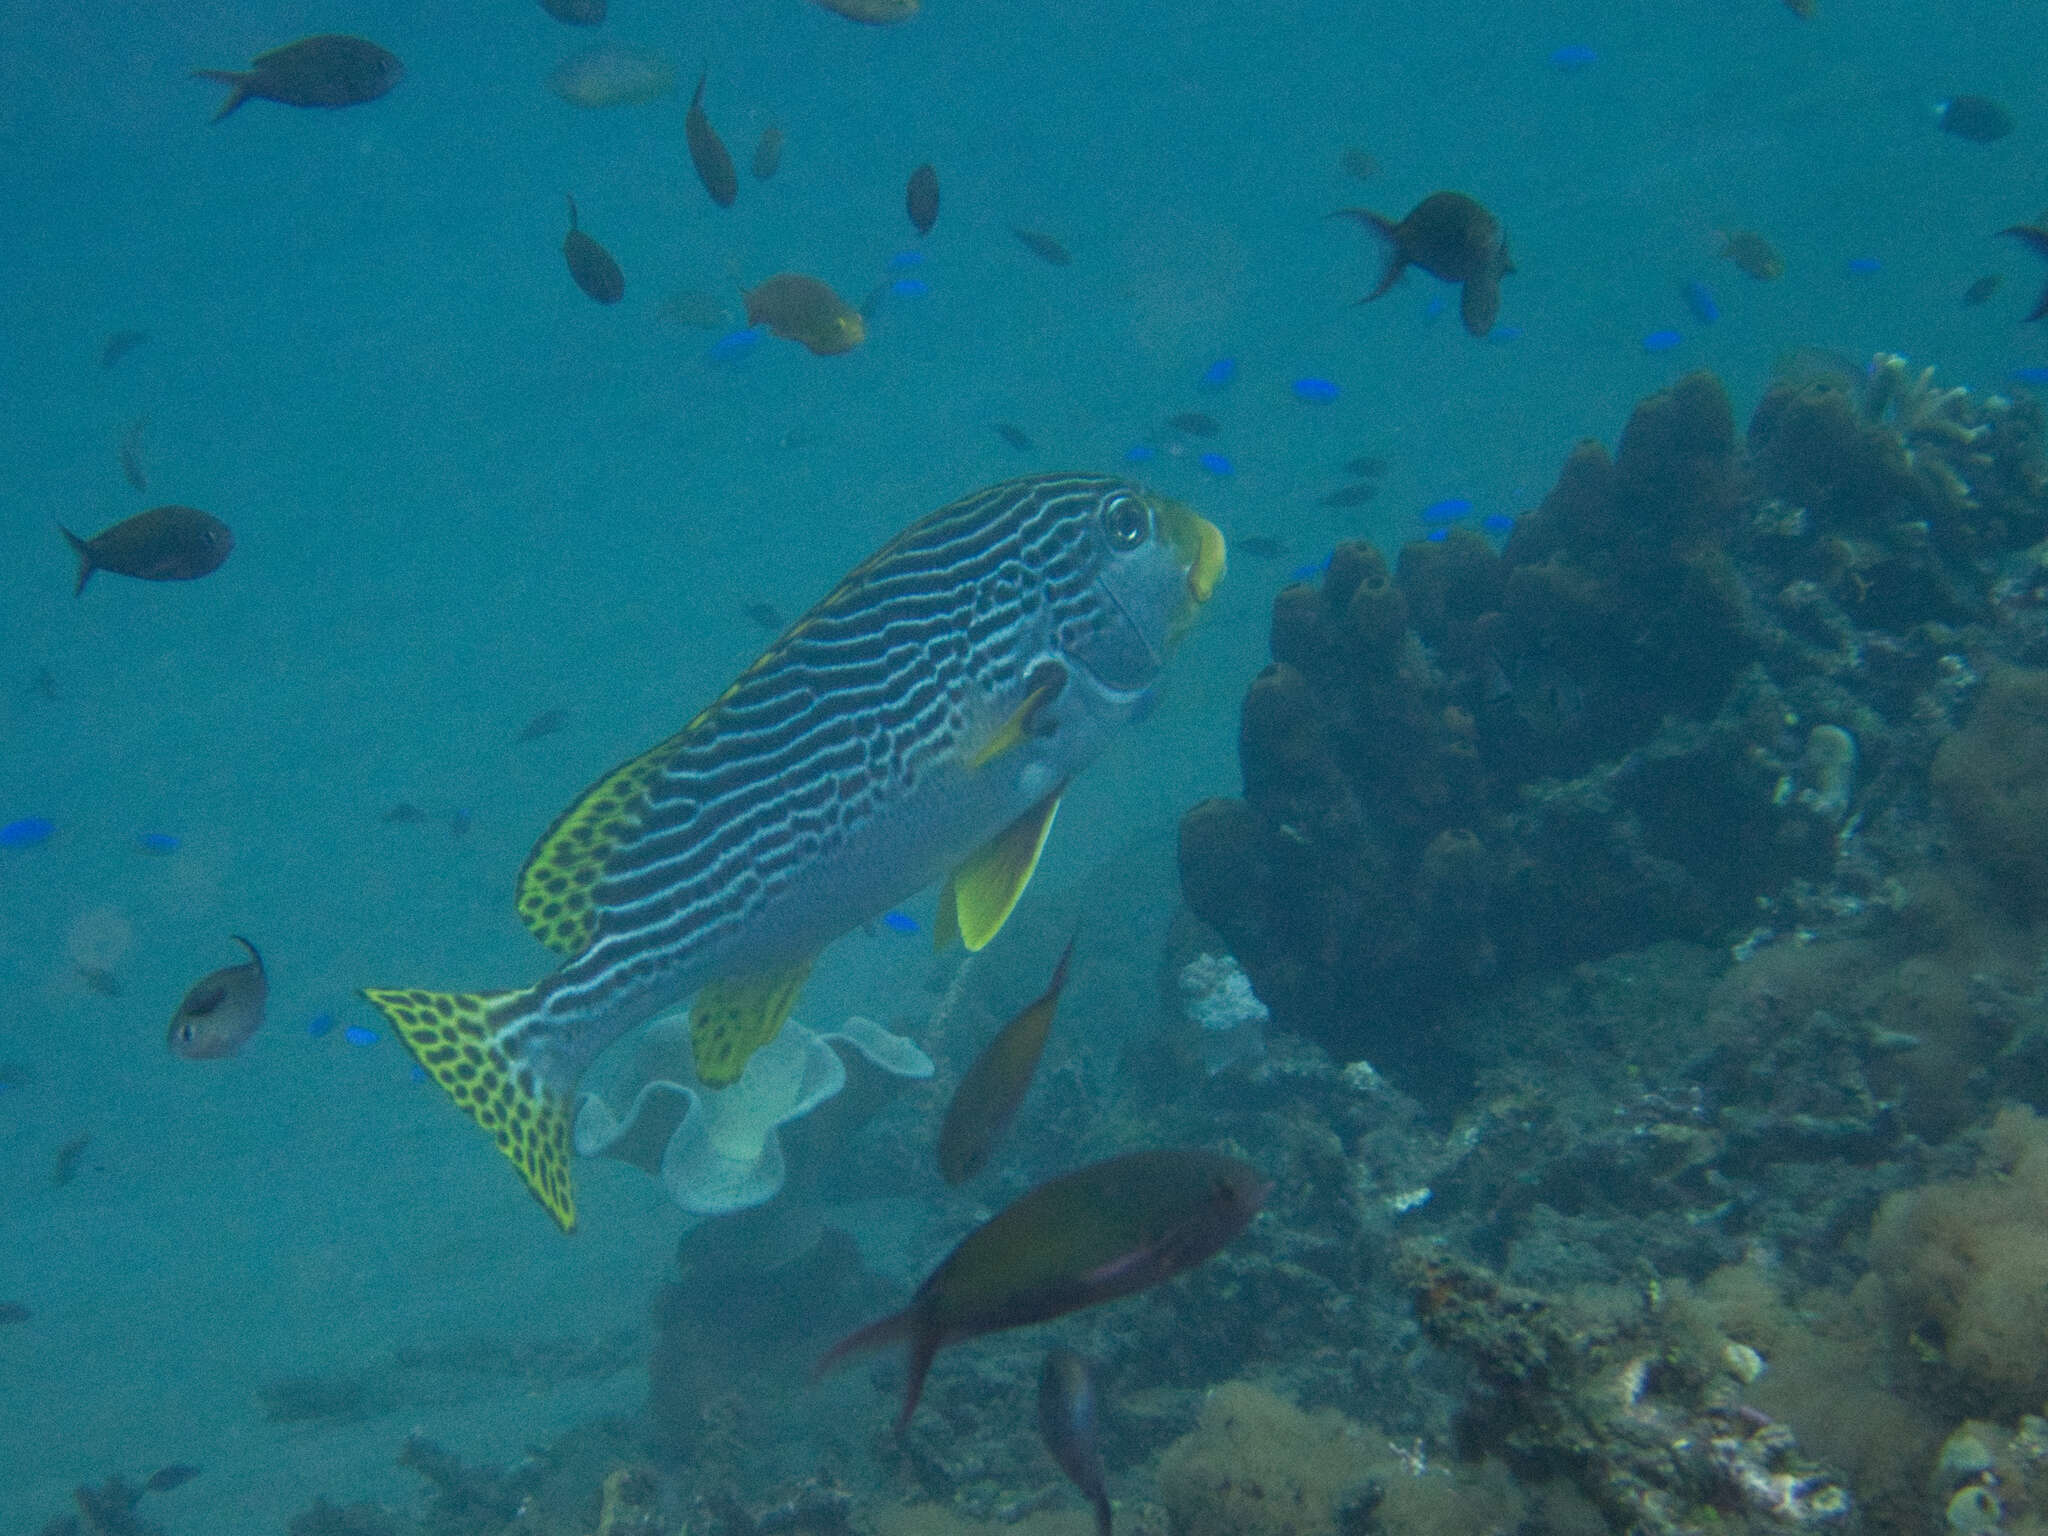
pixel 1591 896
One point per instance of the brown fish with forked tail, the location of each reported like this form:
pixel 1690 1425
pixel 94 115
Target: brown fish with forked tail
pixel 162 544
pixel 331 70
pixel 1453 239
pixel 590 264
pixel 2035 238
pixel 800 308
pixel 1111 1229
pixel 221 1011
pixel 993 1090
pixel 708 152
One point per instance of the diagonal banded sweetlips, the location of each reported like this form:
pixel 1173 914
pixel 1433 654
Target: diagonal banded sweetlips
pixel 919 724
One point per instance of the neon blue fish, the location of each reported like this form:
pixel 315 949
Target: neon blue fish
pixel 1661 341
pixel 1217 464
pixel 1140 453
pixel 1497 522
pixel 903 261
pixel 355 1034
pixel 158 842
pixel 910 287
pixel 1310 571
pixel 1449 510
pixel 1315 390
pixel 320 1025
pixel 27 832
pixel 1699 298
pixel 899 922
pixel 1864 266
pixel 1572 58
pixel 1220 374
pixel 734 345
pixel 2035 375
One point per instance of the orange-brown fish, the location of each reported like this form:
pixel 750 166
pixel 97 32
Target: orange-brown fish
pixel 1753 253
pixel 921 199
pixel 577 13
pixel 876 13
pixel 1070 1425
pixel 1452 238
pixel 989 1095
pixel 799 308
pixel 768 153
pixel 162 544
pixel 1111 1229
pixel 591 265
pixel 611 76
pixel 2035 238
pixel 326 71
pixel 1044 247
pixel 131 454
pixel 708 152
pixel 221 1011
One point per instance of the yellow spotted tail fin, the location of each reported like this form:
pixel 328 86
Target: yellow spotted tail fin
pixel 459 1037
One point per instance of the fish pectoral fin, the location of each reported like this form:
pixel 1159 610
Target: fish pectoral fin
pixel 1048 678
pixel 555 900
pixel 734 1017
pixel 983 892
pixel 467 1042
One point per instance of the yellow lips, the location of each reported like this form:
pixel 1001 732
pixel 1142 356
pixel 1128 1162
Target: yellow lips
pixel 1198 542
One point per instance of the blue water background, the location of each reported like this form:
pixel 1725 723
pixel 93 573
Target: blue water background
pixel 464 494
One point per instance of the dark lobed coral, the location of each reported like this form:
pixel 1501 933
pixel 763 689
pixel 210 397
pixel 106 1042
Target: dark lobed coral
pixel 1690 674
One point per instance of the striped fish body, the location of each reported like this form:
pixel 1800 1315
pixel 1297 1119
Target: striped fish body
pixel 919 721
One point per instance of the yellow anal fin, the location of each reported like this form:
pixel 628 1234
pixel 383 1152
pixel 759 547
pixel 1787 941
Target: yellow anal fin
pixel 733 1018
pixel 1047 678
pixel 457 1037
pixel 563 870
pixel 984 891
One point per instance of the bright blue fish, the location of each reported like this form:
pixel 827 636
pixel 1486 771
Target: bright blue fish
pixel 1497 522
pixel 899 922
pixel 1315 389
pixel 1501 335
pixel 2035 374
pixel 1310 571
pixel 910 287
pixel 27 832
pixel 158 842
pixel 1864 266
pixel 1661 341
pixel 903 261
pixel 320 1025
pixel 1699 298
pixel 1437 535
pixel 1572 57
pixel 1217 464
pixel 734 345
pixel 355 1034
pixel 418 1074
pixel 1436 306
pixel 1449 510
pixel 1140 453
pixel 1220 374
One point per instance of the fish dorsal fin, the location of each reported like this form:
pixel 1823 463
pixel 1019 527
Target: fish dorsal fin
pixel 734 1017
pixel 983 892
pixel 563 869
pixel 1047 679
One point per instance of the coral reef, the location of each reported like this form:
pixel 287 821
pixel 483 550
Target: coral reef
pixel 1702 675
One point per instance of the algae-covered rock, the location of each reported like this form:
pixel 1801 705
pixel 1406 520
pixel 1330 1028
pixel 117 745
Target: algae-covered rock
pixel 1992 778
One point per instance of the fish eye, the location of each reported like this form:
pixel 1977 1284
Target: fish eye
pixel 1126 522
